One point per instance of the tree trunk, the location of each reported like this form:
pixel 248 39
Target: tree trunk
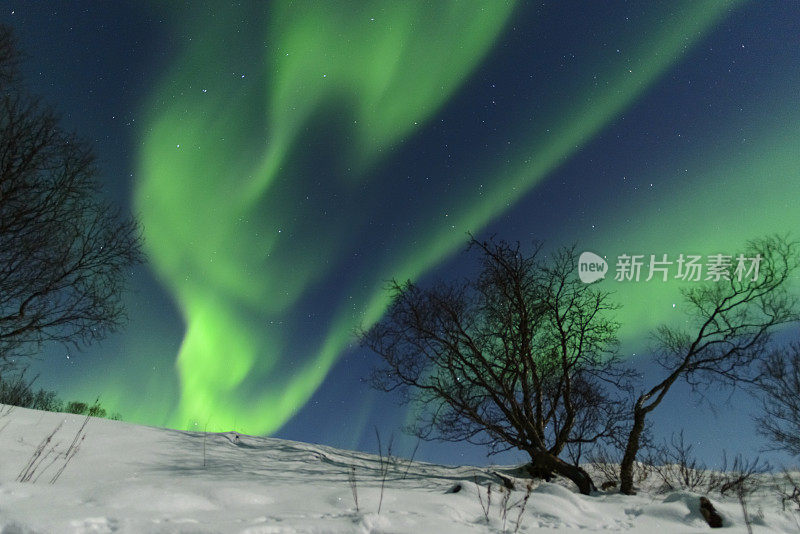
pixel 631 449
pixel 544 464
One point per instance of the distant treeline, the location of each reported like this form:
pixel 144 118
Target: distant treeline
pixel 18 390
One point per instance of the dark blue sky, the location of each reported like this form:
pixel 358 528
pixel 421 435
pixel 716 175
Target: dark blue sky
pixel 658 150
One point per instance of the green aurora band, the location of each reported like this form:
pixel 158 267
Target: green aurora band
pixel 233 232
pixel 211 154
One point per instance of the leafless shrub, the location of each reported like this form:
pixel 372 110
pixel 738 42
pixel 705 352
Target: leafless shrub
pixel 692 473
pixel 602 462
pixel 388 461
pixel 741 480
pixel 741 477
pixel 789 490
pixel 506 504
pixel 676 465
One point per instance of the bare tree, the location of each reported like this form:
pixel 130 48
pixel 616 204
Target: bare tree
pixel 64 252
pixel 515 358
pixel 730 322
pixel 9 58
pixel 779 384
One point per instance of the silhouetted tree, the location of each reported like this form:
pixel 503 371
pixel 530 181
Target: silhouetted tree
pixel 9 58
pixel 515 358
pixel 729 327
pixel 779 384
pixel 64 252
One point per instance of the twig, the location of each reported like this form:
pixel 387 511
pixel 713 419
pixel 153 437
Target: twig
pixel 488 499
pixel 741 494
pixel 384 463
pixel 528 490
pixel 351 478
pixel 205 437
pixel 410 461
pixel 504 505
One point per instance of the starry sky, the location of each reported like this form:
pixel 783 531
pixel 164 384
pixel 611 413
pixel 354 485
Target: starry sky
pixel 285 159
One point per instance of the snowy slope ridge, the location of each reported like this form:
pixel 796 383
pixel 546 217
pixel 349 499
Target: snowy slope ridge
pixel 137 479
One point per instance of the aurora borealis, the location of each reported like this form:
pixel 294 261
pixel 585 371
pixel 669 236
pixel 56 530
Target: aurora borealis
pixel 286 159
pixel 251 261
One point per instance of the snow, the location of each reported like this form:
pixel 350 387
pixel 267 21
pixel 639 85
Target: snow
pixel 137 479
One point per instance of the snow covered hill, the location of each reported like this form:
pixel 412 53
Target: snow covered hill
pixel 127 478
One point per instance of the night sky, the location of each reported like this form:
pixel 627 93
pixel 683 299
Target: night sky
pixel 285 159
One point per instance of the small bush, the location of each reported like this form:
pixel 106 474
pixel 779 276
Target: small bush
pixel 78 408
pixel 741 478
pixel 605 465
pixel 82 408
pixel 47 401
pixel 676 465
